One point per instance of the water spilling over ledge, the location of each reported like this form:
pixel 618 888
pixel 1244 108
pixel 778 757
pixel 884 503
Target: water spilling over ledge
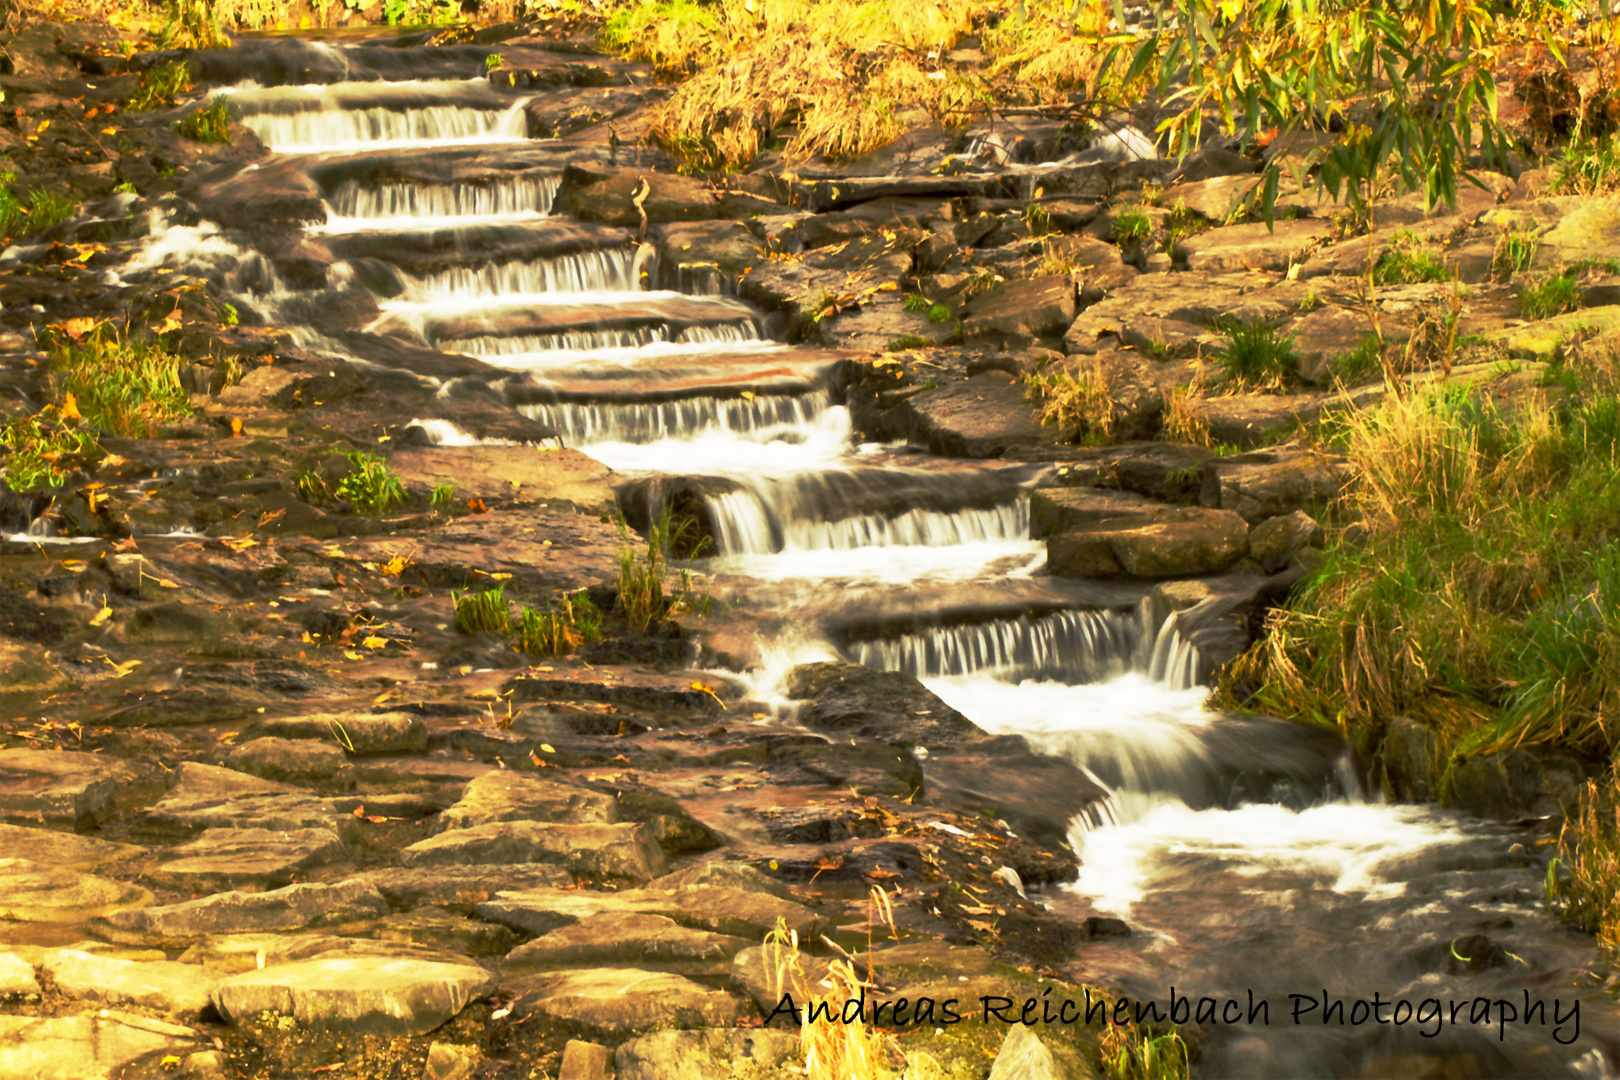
pixel 355 207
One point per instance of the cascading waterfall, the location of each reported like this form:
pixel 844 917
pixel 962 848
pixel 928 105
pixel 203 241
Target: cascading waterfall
pixel 765 517
pixel 587 422
pixel 400 203
pixel 697 338
pixel 585 271
pixel 377 116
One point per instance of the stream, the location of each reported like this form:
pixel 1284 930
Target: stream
pixel 1244 852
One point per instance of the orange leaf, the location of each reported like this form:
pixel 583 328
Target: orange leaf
pixel 70 407
pixel 236 426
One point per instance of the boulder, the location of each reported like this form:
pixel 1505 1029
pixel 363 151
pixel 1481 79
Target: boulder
pixel 64 850
pixel 624 853
pixel 612 1003
pixel 1171 543
pixel 293 761
pixel 291 908
pixel 734 912
pixel 707 1055
pixel 370 995
pixel 501 795
pixel 70 789
pixel 460 888
pixel 1251 247
pixel 359 733
pixel 224 859
pixel 1273 543
pixel 1018 314
pixel 606 195
pixel 91 1046
pixel 1270 484
pixel 35 893
pixel 209 797
pixel 162 985
pixel 16 976
pixel 848 700
pixel 639 940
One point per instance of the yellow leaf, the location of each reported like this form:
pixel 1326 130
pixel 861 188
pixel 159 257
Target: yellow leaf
pixel 120 670
pixel 172 322
pixel 170 1060
pixel 109 131
pixel 747 395
pixel 112 461
pixel 241 543
pixel 77 328
pixel 501 577
pixel 75 565
pixel 165 583
pixel 351 654
pixel 101 616
pixel 70 408
pixel 547 748
pixel 375 642
pixel 394 566
pixel 43 124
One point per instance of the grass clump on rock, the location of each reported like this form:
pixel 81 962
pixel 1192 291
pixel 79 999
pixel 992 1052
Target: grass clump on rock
pixel 210 125
pixel 369 487
pixel 1076 401
pixel 33 212
pixel 124 386
pixel 1257 356
pixel 1553 296
pixel 1481 594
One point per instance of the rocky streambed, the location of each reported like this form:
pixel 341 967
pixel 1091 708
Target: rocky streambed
pixel 276 810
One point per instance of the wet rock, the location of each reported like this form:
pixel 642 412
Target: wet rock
pixel 606 196
pixel 1276 541
pixel 723 875
pixel 460 888
pixel 1172 543
pixel 449 1061
pixel 1251 247
pixel 734 912
pixel 585 1061
pixel 1413 755
pixel 671 826
pixel 1271 484
pixel 175 623
pixel 499 795
pixel 91 1046
pixel 232 954
pixel 290 908
pixel 639 940
pixel 28 669
pixel 598 853
pixel 981 417
pixel 372 995
pixel 1322 337
pixel 65 851
pixel 847 700
pixel 1018 314
pixel 1101 927
pixel 293 762
pixel 727 246
pixel 1037 795
pixel 1516 784
pixel 615 1002
pixel 564 476
pixel 452 933
pixel 360 733
pixel 700 1055
pixel 178 989
pixel 209 797
pixel 225 859
pixel 16 976
pixel 69 788
pixel 36 893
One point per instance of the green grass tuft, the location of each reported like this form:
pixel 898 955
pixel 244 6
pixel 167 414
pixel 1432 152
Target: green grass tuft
pixel 1552 296
pixel 369 487
pixel 482 611
pixel 1257 355
pixel 210 125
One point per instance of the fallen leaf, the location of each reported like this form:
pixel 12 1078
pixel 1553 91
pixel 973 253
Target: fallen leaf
pixel 477 506
pixel 375 642
pixel 547 747
pixel 101 616
pixel 241 543
pixel 171 322
pixel 70 408
pixel 394 567
pixel 109 131
pixel 120 670
pixel 352 655
pixel 78 328
pixel 360 812
pixel 236 426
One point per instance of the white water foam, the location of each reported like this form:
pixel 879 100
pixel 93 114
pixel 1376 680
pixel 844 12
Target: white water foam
pixel 704 434
pixel 312 119
pixel 415 207
pixel 593 272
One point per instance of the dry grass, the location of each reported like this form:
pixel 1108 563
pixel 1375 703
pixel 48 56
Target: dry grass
pixel 1184 422
pixel 834 78
pixel 1077 401
pixel 1585 879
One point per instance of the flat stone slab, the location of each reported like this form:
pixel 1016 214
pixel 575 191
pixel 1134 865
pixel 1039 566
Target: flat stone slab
pixel 501 795
pixel 68 788
pixel 553 476
pixel 223 859
pixel 92 1046
pixel 293 761
pixel 721 910
pixel 1057 509
pixel 601 853
pixel 620 1001
pixel 980 417
pixel 16 976
pixel 232 954
pixel 646 941
pixel 209 797
pixel 460 888
pixel 179 989
pixel 371 994
pixel 31 892
pixel 291 908
pixel 64 850
pixel 362 733
pixel 1170 543
pixel 1252 247
pixel 695 1055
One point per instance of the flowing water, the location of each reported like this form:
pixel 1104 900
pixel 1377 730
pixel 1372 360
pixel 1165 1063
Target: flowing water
pixel 1242 851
